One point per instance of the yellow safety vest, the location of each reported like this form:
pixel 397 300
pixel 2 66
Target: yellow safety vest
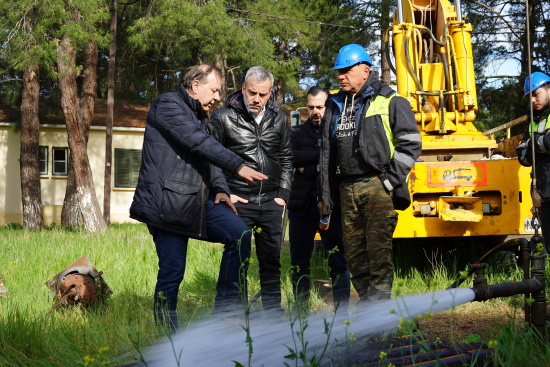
pixel 381 106
pixel 540 126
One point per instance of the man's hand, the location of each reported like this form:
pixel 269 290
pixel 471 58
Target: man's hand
pixel 280 201
pixel 222 196
pixel 250 174
pixel 238 199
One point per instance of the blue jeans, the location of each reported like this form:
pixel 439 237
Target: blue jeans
pixel 223 226
pixel 302 229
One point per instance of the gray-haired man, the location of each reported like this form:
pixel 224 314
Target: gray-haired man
pixel 254 127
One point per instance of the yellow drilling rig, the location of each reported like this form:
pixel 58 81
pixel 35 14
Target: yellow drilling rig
pixel 459 186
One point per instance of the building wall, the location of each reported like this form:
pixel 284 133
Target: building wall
pixel 53 187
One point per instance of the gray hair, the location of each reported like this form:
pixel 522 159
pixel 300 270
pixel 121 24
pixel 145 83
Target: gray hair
pixel 259 74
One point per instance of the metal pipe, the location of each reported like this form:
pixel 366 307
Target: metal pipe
pixel 442 113
pixel 485 292
pixel 538 308
pixel 533 260
pixel 458 11
pixel 522 242
pixel 525 249
pixel 400 16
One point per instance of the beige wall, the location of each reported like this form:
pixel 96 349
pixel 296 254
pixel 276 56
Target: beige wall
pixel 53 188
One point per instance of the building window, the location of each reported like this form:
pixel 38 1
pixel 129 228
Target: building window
pixel 43 160
pixel 60 158
pixel 127 163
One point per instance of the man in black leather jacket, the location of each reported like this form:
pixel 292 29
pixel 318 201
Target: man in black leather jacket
pixel 181 185
pixel 303 210
pixel 253 126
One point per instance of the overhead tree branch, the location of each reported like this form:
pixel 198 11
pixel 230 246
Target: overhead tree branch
pixel 11 80
pixel 498 14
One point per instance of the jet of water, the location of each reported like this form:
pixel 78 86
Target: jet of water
pixel 221 342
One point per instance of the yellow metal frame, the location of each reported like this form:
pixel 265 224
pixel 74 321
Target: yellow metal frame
pixel 502 184
pixel 456 189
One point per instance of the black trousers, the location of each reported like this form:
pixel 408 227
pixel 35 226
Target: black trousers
pixel 302 229
pixel 265 219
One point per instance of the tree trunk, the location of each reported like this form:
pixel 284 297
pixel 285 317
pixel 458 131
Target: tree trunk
pixel 110 116
pixel 78 117
pixel 31 198
pixel 279 92
pixel 70 213
pixel 221 63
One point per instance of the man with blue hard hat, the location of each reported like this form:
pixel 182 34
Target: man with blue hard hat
pixel 370 143
pixel 538 86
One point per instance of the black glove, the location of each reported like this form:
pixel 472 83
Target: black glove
pixel 541 141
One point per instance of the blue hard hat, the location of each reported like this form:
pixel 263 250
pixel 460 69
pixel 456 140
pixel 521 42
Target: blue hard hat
pixel 350 55
pixel 537 80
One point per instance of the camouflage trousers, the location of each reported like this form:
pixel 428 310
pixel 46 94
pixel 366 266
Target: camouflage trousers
pixel 368 223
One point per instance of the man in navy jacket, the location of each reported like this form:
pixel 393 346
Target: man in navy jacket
pixel 181 185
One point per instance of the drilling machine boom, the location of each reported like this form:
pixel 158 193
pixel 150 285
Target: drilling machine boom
pixel 459 186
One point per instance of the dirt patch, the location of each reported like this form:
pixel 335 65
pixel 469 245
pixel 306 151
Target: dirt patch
pixel 482 318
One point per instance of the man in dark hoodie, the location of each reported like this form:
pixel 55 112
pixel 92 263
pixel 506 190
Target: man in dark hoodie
pixel 254 127
pixel 181 186
pixel 303 210
pixel 370 143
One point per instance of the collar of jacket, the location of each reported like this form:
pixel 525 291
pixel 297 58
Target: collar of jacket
pixel 310 124
pixel 236 100
pixel 542 115
pixel 193 104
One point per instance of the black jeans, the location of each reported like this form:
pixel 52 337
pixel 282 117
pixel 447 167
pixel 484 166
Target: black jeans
pixel 268 217
pixel 302 229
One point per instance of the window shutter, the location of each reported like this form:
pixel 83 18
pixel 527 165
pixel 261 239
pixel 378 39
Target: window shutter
pixel 127 164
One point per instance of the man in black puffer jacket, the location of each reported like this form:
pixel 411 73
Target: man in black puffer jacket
pixel 303 210
pixel 181 185
pixel 253 126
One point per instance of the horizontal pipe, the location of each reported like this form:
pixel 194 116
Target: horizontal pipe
pixel 484 293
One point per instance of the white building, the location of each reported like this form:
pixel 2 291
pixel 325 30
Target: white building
pixel 129 126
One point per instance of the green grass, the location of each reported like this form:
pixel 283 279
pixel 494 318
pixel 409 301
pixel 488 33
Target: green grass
pixel 113 333
pixel 31 335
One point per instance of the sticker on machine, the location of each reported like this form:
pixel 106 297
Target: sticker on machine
pixel 451 174
pixel 528 225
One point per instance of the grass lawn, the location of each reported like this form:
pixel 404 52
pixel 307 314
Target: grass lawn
pixel 114 333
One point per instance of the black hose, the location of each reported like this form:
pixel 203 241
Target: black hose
pixel 410 66
pixel 447 74
pixel 387 49
pixel 488 254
